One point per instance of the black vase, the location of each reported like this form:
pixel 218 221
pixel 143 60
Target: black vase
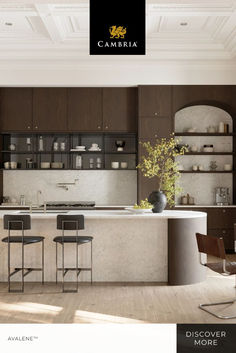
pixel 158 200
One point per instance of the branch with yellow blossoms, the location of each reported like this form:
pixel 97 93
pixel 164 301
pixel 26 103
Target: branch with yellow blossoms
pixel 160 162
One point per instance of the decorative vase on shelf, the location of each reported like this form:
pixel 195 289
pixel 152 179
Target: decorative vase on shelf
pixel 158 200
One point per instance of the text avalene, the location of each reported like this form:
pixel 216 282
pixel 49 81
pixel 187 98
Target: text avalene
pixel 20 338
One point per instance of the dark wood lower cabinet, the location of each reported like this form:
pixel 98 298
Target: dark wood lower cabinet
pixel 220 223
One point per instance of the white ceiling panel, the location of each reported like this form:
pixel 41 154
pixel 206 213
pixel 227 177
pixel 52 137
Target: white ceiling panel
pixel 195 30
pixel 183 24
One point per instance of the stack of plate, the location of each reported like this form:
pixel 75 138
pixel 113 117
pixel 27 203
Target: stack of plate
pixel 94 149
pixel 79 149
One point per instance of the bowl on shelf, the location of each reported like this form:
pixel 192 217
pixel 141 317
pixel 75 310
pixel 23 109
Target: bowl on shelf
pixel 120 144
pixel 7 165
pixel 57 165
pixel 227 167
pixel 115 165
pixel 45 165
pixel 13 165
pixel 208 148
pixel 124 165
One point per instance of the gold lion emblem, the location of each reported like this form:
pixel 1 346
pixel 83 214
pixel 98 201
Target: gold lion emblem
pixel 117 32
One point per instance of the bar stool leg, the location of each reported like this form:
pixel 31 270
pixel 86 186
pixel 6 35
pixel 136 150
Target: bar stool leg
pixel 43 261
pixel 23 265
pixel 9 267
pixel 56 263
pixel 63 267
pixel 77 266
pixel 91 262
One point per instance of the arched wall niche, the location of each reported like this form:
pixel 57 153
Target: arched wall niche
pixel 202 121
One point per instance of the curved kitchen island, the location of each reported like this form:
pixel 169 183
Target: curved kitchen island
pixel 126 247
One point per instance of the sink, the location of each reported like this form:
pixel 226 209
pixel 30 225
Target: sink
pixel 41 212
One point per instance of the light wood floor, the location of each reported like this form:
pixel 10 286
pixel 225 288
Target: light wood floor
pixel 117 303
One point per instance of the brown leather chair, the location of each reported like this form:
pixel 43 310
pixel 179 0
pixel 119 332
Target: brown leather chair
pixel 214 246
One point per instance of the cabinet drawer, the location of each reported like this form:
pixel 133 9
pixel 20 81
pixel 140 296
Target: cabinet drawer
pixel 226 234
pixel 221 218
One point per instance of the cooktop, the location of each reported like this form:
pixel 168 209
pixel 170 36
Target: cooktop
pixel 78 205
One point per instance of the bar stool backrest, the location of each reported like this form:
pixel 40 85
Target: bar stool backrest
pixel 210 245
pixel 70 222
pixel 17 222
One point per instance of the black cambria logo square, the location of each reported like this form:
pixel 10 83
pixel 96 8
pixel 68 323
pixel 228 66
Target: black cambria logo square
pixel 117 31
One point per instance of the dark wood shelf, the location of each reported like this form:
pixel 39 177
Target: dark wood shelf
pixel 208 153
pixel 69 169
pixel 120 152
pixel 87 152
pixel 65 152
pixel 203 134
pixel 18 152
pixel 36 152
pixel 206 171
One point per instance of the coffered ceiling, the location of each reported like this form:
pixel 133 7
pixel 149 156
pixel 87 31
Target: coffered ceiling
pixel 193 30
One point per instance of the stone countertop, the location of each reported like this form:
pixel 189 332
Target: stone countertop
pixel 204 206
pixel 111 214
pixel 15 206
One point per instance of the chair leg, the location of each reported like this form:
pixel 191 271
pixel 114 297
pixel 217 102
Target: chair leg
pixel 202 307
pixel 42 261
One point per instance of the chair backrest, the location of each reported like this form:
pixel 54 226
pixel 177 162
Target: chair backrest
pixel 17 222
pixel 70 222
pixel 210 245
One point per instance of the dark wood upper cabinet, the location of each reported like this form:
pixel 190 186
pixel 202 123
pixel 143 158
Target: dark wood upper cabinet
pixel 50 109
pixel 186 95
pixel 85 109
pixel 16 109
pixel 120 109
pixel 154 101
pixel 151 128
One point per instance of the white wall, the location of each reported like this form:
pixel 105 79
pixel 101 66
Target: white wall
pixel 104 187
pixel 114 73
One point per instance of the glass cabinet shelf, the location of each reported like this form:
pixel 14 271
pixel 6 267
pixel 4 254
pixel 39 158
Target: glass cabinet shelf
pixel 62 151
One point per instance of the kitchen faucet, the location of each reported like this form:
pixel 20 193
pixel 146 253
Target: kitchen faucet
pixel 39 192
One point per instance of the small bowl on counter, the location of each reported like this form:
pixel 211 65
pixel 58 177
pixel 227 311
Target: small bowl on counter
pixel 138 210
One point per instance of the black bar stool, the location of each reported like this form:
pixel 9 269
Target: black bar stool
pixel 72 222
pixel 21 222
